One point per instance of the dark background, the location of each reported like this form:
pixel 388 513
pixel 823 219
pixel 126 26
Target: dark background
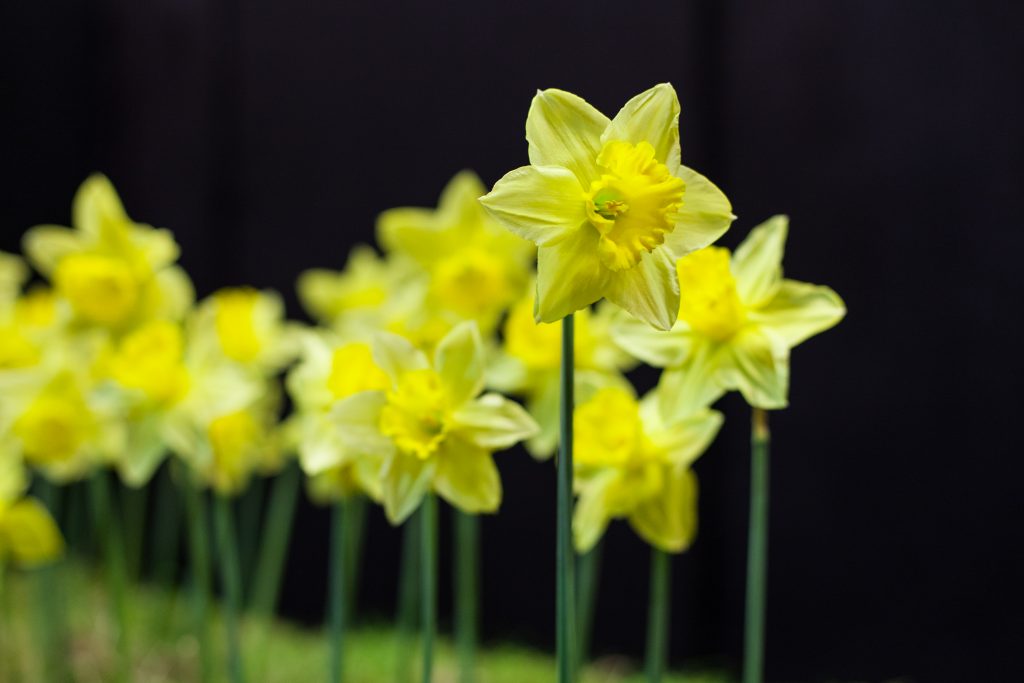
pixel 268 135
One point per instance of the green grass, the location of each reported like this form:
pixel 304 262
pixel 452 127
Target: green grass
pixel 163 650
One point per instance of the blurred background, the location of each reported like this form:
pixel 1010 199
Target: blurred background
pixel 268 135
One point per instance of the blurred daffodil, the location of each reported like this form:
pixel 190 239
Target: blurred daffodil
pixel 246 326
pixel 113 272
pixel 608 204
pixel 738 320
pixel 435 431
pixel 529 360
pixel 633 462
pixel 29 537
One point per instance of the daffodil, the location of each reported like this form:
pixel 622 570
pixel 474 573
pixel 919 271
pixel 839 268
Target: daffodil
pixel 529 361
pixel 474 267
pixel 434 429
pixel 608 204
pixel 633 462
pixel 29 537
pixel 738 320
pixel 246 326
pixel 113 272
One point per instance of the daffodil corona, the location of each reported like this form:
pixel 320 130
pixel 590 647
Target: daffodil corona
pixel 608 204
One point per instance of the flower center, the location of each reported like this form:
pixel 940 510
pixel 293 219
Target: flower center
pixel 150 359
pixel 708 299
pixel 415 415
pixel 235 321
pixel 101 289
pixel 472 282
pixel 54 427
pixel 353 370
pixel 634 203
pixel 608 430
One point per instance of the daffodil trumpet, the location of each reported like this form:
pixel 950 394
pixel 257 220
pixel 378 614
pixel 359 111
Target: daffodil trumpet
pixel 231 581
pixel 757 550
pixel 565 611
pixel 428 586
pixel 467 591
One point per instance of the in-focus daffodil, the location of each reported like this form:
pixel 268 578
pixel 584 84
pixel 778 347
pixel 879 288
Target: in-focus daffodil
pixel 29 537
pixel 529 360
pixel 738 320
pixel 435 431
pixel 633 462
pixel 113 272
pixel 608 204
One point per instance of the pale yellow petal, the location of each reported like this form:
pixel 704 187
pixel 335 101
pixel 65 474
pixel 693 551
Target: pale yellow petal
pixel 494 422
pixel 757 363
pixel 652 346
pixel 467 477
pixel 46 245
pixel 404 482
pixel 648 291
pixel 96 206
pixel 653 117
pixel 29 534
pixel 569 276
pixel 800 310
pixel 591 513
pixel 669 521
pixel 757 262
pixel 410 231
pixel 562 129
pixel 542 204
pixel 704 217
pixel 686 438
pixel 357 417
pixel 695 383
pixel 459 361
pixel 396 355
pixel 458 204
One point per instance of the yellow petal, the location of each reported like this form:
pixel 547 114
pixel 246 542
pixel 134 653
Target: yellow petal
pixel 410 231
pixel 652 346
pixel 542 204
pixel 682 438
pixel 704 217
pixel 494 422
pixel 569 276
pixel 591 513
pixel 467 477
pixel 96 207
pixel 29 534
pixel 757 263
pixel 564 130
pixel 695 382
pixel 652 117
pixel 649 290
pixel 358 418
pixel 669 521
pixel 459 360
pixel 396 355
pixel 800 310
pixel 458 203
pixel 757 363
pixel 404 482
pixel 46 245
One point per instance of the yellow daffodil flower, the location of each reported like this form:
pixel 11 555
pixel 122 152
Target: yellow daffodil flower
pixel 474 267
pixel 633 462
pixel 113 272
pixel 530 358
pixel 738 320
pixel 29 537
pixel 435 431
pixel 246 326
pixel 608 204
pixel 329 371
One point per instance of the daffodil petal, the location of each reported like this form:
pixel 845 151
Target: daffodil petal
pixel 542 204
pixel 494 422
pixel 357 417
pixel 157 245
pixel 543 406
pixel 648 291
pixel 757 262
pixel 569 276
pixel 396 355
pixel 655 347
pixel 653 117
pixel 686 439
pixel 590 514
pixel 404 481
pixel 704 216
pixel 367 471
pixel 459 361
pixel 757 363
pixel 467 477
pixel 96 206
pixel 458 204
pixel 694 383
pixel 46 245
pixel 669 521
pixel 410 231
pixel 562 129
pixel 174 294
pixel 800 310
pixel 29 534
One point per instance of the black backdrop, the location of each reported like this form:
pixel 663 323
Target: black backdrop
pixel 269 134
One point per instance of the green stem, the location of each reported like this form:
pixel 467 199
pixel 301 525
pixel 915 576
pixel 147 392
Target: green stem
pixel 658 615
pixel 336 607
pixel 757 551
pixel 588 574
pixel 355 531
pixel 250 503
pixel 231 579
pixel 565 628
pixel 428 589
pixel 107 527
pixel 166 531
pixel 467 591
pixel 408 597
pixel 276 536
pixel 133 505
pixel 199 556
pixel 52 627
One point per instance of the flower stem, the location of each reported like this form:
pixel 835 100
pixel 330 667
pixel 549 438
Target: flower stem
pixel 336 607
pixel 355 528
pixel 276 535
pixel 166 531
pixel 467 573
pixel 658 615
pixel 108 529
pixel 407 598
pixel 230 574
pixel 588 574
pixel 249 540
pixel 53 629
pixel 134 500
pixel 428 589
pixel 757 551
pixel 199 558
pixel 565 613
